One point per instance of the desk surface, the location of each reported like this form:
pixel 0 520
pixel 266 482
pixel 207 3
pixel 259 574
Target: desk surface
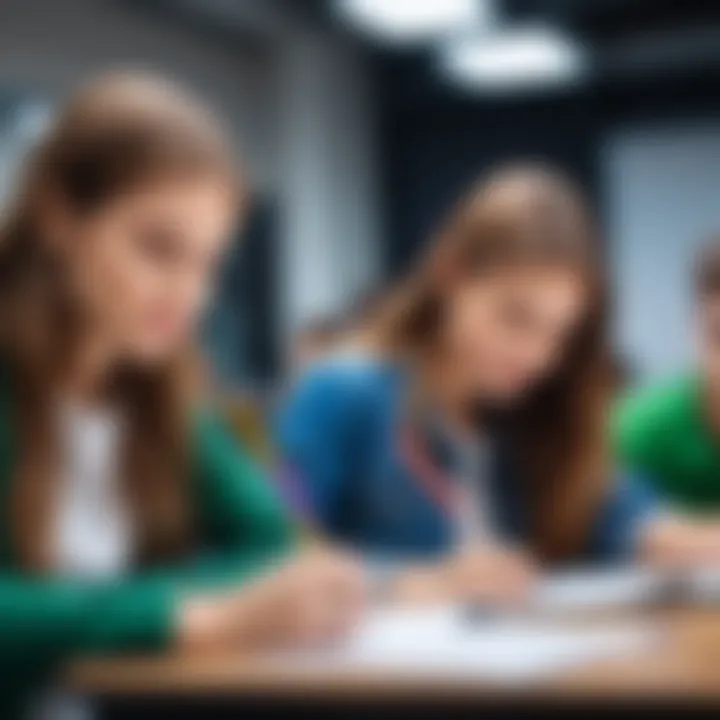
pixel 688 664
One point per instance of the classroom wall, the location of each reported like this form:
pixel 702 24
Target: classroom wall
pixel 47 46
pixel 661 185
pixel 329 185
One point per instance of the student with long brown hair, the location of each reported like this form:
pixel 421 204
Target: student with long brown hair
pixel 129 521
pixel 466 430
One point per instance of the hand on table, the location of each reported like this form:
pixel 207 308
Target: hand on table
pixel 674 540
pixel 311 599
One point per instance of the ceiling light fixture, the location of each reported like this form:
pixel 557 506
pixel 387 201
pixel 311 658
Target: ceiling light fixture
pixel 412 21
pixel 516 59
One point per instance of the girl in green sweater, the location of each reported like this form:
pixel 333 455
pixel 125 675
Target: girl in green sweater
pixel 129 521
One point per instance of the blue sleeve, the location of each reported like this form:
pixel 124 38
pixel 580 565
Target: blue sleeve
pixel 316 433
pixel 629 504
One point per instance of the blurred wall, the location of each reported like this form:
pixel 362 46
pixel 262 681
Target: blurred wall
pixel 328 186
pixel 662 199
pixel 48 46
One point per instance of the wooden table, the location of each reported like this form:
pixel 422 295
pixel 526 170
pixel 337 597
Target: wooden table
pixel 686 667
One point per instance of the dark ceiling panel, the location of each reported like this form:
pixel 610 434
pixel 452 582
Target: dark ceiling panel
pixel 592 18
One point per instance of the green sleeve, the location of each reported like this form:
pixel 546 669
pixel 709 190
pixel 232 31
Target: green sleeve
pixel 648 427
pixel 44 623
pixel 244 524
pixel 56 618
pixel 243 529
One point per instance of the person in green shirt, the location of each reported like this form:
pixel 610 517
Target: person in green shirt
pixel 670 433
pixel 129 520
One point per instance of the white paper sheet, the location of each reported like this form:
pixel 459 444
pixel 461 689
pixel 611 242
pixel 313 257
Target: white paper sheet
pixel 702 585
pixel 589 590
pixel 440 642
pixel 585 590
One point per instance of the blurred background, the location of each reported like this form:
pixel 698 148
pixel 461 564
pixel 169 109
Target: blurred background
pixel 360 121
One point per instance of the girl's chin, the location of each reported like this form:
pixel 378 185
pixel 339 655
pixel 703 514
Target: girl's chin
pixel 149 355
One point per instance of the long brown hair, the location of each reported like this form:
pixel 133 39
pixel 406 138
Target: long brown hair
pixel 118 132
pixel 524 216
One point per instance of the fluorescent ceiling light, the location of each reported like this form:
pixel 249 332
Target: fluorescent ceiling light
pixel 524 58
pixel 407 21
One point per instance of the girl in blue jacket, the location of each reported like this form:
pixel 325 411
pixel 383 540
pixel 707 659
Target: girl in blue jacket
pixel 460 440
